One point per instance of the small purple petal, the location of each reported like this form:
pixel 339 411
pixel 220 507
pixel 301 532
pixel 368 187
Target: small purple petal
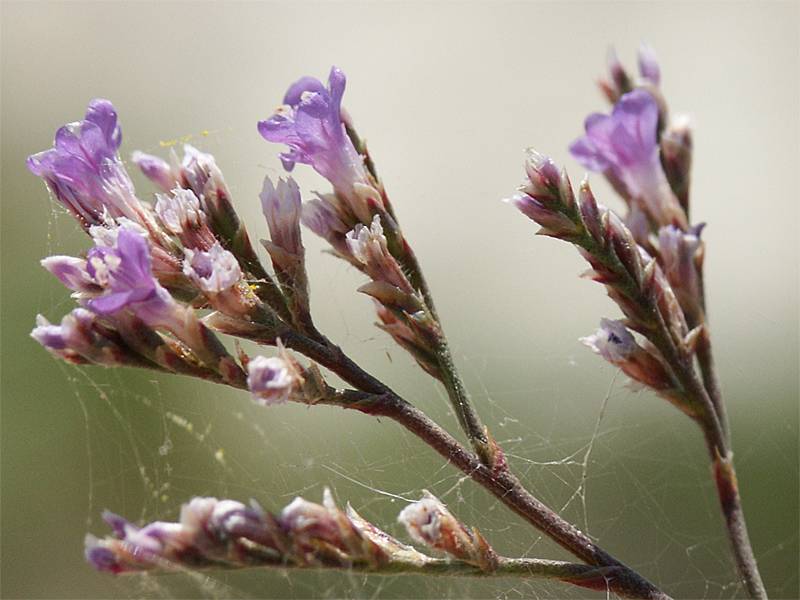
pixel 304 84
pixel 100 557
pixel 103 114
pixel 117 523
pixel 624 139
pixel 70 271
pixel 156 170
pixel 111 303
pixel 648 65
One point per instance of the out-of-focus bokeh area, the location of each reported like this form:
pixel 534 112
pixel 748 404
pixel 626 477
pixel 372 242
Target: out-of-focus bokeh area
pixel 448 96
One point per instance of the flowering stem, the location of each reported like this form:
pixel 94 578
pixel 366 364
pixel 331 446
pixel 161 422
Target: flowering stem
pixel 712 419
pixel 459 397
pixel 725 477
pixel 375 398
pixel 467 416
pixel 701 399
pixel 508 489
pixel 529 568
pixel 255 556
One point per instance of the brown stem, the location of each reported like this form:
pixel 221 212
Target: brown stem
pixel 508 489
pixel 731 505
pixel 585 576
pixel 377 399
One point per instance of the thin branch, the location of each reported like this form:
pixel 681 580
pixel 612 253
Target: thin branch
pixel 528 568
pixel 375 398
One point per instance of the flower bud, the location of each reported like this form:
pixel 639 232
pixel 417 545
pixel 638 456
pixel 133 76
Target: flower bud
pixel 648 65
pixel 281 206
pixel 180 214
pixel 368 246
pixel 428 522
pixel 156 170
pixel 682 259
pixel 273 380
pixel 617 345
pixel 676 158
pixel 217 274
pixel 80 339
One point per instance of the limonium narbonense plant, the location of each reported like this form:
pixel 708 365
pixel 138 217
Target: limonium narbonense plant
pixel 155 267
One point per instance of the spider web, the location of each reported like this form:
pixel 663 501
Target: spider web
pixel 583 442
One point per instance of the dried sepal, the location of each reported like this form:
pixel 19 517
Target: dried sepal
pixel 391 546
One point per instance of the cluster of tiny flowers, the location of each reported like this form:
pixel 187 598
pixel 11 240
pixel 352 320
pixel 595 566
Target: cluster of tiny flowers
pixel 163 279
pixel 152 266
pixel 650 260
pixel 355 218
pixel 212 532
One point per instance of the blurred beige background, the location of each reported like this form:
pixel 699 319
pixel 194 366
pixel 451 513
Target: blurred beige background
pixel 448 95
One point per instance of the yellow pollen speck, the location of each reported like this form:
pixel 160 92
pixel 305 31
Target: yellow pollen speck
pixel 181 140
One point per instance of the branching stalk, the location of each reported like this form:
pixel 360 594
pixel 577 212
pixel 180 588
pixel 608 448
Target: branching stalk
pixel 376 399
pixel 527 568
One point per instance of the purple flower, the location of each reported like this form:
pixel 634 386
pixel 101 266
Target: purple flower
pixel 622 141
pixel 309 523
pixel 612 341
pixel 320 216
pixel 117 275
pixel 71 271
pixel 310 123
pixel 217 274
pixel 617 345
pixel 272 380
pixel 214 271
pixel 101 557
pixel 199 172
pixel 83 169
pixel 124 271
pixel 624 145
pixel 180 213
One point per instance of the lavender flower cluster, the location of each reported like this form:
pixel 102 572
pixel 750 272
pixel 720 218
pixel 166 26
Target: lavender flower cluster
pixel 212 532
pixel 651 259
pixel 164 279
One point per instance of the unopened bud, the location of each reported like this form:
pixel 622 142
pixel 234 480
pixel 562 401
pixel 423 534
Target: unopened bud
pixel 617 345
pixel 429 522
pixel 676 159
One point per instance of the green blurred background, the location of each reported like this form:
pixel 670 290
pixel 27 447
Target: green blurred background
pixel 448 95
